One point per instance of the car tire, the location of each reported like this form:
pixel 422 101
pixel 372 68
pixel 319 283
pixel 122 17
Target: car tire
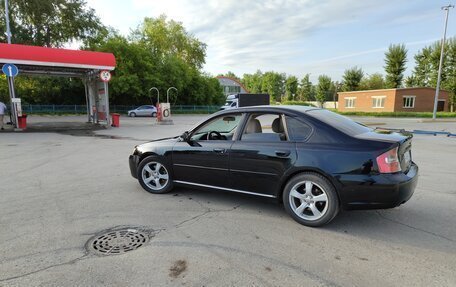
pixel 310 199
pixel 154 114
pixel 132 115
pixel 154 175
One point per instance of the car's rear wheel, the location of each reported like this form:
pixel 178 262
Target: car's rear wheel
pixel 311 199
pixel 154 114
pixel 154 175
pixel 132 115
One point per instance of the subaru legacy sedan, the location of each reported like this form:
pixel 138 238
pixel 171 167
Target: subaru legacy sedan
pixel 314 161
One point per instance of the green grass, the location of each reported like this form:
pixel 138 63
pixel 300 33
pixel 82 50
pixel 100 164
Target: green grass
pixel 398 114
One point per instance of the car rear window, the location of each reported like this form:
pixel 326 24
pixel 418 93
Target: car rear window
pixel 298 130
pixel 344 124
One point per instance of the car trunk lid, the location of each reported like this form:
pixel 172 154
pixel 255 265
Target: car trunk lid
pixel 400 138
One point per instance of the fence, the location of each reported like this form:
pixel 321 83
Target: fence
pixel 82 109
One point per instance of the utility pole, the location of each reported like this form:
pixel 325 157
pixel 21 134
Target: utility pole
pixel 437 89
pixel 10 79
pixel 8 31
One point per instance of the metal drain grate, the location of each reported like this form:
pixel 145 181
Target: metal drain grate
pixel 118 241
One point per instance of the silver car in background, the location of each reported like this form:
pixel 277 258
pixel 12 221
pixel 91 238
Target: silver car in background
pixel 143 111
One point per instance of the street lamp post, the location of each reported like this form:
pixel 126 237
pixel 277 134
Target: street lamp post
pixel 158 93
pixel 167 93
pixel 437 88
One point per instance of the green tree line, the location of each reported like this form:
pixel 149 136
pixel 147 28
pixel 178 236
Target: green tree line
pixel 161 53
pixel 158 53
pixel 288 87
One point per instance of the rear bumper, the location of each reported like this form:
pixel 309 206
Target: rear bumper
pixel 379 191
pixel 133 161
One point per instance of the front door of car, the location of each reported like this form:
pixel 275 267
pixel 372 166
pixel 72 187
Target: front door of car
pixel 141 111
pixel 262 155
pixel 204 158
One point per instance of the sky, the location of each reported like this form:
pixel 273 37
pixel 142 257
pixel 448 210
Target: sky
pixel 295 37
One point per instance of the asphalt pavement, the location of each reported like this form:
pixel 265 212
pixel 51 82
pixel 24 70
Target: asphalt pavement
pixel 59 190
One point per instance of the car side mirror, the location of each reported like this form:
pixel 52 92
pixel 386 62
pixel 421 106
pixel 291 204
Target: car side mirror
pixel 185 137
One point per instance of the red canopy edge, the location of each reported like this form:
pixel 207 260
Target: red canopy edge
pixel 53 57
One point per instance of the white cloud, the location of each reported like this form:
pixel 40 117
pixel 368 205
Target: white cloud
pixel 291 36
pixel 254 34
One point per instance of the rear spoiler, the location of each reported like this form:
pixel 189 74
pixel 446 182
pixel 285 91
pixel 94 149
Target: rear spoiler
pixel 392 130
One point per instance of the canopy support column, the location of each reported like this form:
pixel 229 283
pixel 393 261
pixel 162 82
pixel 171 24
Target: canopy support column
pixel 89 119
pixel 108 120
pixel 13 104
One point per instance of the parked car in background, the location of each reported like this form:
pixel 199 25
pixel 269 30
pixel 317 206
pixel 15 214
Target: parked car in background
pixel 313 160
pixel 245 100
pixel 143 111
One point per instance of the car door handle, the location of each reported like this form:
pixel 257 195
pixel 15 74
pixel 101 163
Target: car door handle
pixel 219 150
pixel 282 153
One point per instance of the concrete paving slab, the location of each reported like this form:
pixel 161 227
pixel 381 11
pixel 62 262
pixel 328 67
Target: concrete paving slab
pixel 59 190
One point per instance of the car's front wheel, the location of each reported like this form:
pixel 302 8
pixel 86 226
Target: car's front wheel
pixel 154 175
pixel 132 115
pixel 311 199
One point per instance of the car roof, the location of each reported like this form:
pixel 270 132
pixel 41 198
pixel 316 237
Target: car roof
pixel 264 108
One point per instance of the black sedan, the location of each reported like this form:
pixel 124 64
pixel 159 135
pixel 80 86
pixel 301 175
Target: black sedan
pixel 315 161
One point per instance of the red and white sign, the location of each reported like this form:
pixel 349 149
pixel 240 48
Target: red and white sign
pixel 105 76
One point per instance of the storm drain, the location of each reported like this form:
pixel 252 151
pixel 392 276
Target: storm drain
pixel 119 241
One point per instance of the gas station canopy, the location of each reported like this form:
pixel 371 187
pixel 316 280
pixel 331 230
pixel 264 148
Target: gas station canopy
pixel 34 60
pixel 92 67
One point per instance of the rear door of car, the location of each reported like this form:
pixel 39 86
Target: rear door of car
pixel 260 157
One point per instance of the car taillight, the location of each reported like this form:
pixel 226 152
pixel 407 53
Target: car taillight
pixel 388 162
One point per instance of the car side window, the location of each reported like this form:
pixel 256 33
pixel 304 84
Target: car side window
pixel 220 128
pixel 264 127
pixel 298 130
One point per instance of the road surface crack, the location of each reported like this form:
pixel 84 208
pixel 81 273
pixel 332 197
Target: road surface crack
pixel 72 261
pixel 206 211
pixel 414 228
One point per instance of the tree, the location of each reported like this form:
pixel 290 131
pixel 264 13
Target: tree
pixel 273 84
pixel 423 68
pixel 395 60
pixel 324 88
pixel 167 37
pixel 450 82
pixel 374 81
pixel 253 82
pixel 410 81
pixel 427 64
pixel 50 23
pixel 138 69
pixel 352 78
pixel 291 87
pixel 306 90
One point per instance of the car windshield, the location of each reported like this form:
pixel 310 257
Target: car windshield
pixel 342 123
pixel 228 103
pixel 222 124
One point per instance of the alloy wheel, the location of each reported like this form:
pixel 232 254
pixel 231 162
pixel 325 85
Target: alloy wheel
pixel 308 200
pixel 155 175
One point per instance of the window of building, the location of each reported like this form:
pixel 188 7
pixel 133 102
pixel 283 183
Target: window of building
pixel 409 102
pixel 378 102
pixel 350 102
pixel 232 89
